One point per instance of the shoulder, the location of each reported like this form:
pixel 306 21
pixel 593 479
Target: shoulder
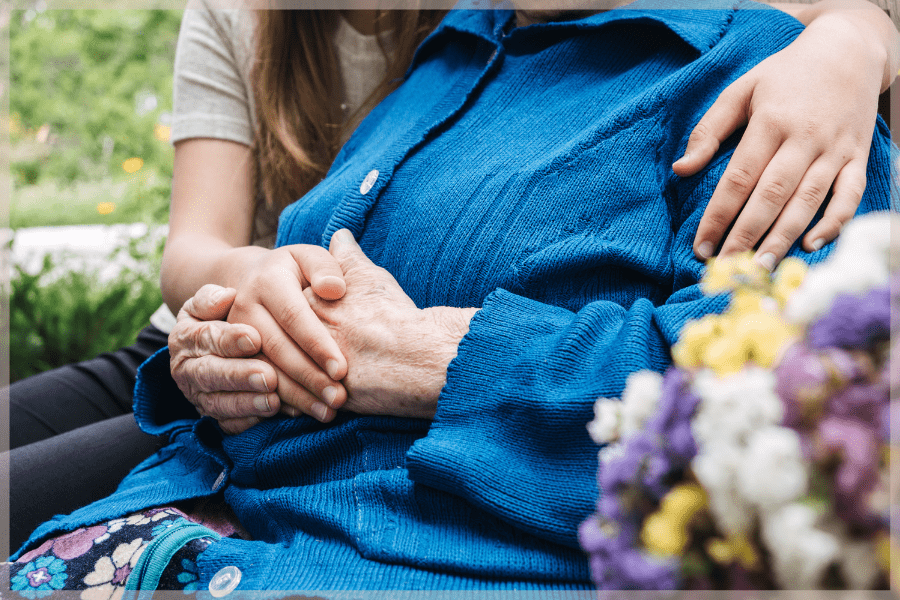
pixel 230 23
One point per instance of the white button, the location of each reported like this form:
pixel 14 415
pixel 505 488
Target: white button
pixel 368 182
pixel 224 582
pixel 218 480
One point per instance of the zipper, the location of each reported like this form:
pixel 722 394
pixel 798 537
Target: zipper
pixel 159 552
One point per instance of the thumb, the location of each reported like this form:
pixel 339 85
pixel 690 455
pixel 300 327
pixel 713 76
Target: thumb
pixel 349 255
pixel 210 303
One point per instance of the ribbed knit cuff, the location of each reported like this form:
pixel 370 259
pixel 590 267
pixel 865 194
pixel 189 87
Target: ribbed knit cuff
pixel 499 439
pixel 159 406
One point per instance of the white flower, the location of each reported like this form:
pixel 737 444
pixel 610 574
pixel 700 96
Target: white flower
pixel 772 470
pixel 716 470
pixel 732 407
pixel 607 419
pixel 611 452
pixel 639 400
pixel 800 552
pixel 858 564
pixel 861 261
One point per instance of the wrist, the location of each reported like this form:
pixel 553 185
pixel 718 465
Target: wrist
pixel 871 27
pixel 233 265
pixel 448 326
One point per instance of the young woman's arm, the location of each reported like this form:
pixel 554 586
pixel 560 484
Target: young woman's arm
pixel 210 224
pixel 809 112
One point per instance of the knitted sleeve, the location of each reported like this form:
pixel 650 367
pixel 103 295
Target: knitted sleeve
pixel 509 434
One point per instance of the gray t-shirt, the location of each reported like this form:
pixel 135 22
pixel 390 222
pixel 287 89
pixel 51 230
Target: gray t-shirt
pixel 212 91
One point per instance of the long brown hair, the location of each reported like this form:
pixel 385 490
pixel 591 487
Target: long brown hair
pixel 297 84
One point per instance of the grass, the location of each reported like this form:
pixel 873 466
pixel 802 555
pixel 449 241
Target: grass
pixel 142 198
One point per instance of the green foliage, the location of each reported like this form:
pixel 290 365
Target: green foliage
pixel 101 80
pixel 57 319
pixel 88 90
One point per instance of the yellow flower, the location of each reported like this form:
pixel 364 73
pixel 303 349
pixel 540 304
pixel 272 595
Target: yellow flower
pixel 745 301
pixel 132 165
pixel 884 548
pixel 683 502
pixel 726 355
pixel 720 271
pixel 765 335
pixel 104 208
pixel 733 548
pixel 162 132
pixel 663 535
pixel 787 278
pixel 688 351
pixel 724 273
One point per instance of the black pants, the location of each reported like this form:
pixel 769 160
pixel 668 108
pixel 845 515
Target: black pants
pixel 72 434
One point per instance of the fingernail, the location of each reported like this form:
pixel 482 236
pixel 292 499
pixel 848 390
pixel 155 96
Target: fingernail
pixel 329 394
pixel 346 236
pixel 818 243
pixel 767 260
pixel 262 403
pixel 331 367
pixel 684 158
pixel 705 250
pixel 246 344
pixel 331 281
pixel 319 410
pixel 330 287
pixel 258 382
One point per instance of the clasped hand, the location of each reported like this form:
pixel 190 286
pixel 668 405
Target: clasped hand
pixel 392 356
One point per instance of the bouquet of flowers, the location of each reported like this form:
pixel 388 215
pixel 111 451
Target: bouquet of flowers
pixel 760 458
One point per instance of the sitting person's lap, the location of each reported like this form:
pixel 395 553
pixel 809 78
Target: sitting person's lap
pixel 563 225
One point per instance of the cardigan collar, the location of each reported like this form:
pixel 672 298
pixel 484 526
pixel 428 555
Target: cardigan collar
pixel 700 23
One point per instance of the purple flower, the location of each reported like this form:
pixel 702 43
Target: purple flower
pixel 801 377
pixel 857 472
pixel 672 419
pixel 854 321
pixel 861 402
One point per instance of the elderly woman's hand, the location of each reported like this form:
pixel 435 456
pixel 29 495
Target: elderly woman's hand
pixel 811 110
pixel 397 354
pixel 210 362
pixel 307 361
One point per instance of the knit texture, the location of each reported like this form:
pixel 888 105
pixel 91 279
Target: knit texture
pixel 526 172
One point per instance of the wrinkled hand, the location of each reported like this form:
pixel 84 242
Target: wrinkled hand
pixel 397 353
pixel 811 110
pixel 307 361
pixel 211 365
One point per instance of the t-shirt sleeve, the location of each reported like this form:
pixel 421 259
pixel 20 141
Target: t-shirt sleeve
pixel 510 432
pixel 210 96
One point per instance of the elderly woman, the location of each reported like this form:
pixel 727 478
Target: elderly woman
pixel 507 242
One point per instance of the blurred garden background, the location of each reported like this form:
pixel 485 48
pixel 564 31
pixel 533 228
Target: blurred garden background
pixel 89 107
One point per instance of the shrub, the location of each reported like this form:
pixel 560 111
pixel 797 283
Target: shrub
pixel 57 318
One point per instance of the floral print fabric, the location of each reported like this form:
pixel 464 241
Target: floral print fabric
pixel 98 560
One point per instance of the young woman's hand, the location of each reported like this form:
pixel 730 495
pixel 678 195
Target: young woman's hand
pixel 810 114
pixel 211 361
pixel 307 361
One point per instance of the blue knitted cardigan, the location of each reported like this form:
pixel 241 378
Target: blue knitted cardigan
pixel 526 172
